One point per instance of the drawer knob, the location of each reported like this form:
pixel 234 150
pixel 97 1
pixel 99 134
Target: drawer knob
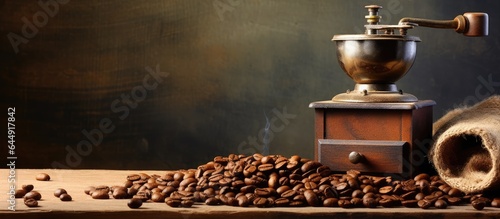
pixel 356 157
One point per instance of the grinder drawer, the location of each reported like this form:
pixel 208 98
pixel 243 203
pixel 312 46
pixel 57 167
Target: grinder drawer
pixel 363 155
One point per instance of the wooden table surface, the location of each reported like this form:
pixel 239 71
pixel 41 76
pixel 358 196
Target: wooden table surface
pixel 83 206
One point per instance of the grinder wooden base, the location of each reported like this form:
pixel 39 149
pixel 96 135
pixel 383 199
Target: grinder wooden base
pixel 376 138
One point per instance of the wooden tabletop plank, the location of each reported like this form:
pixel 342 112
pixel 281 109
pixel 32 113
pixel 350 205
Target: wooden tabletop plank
pixel 83 206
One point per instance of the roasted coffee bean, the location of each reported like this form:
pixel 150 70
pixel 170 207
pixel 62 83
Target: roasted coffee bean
pixel 59 192
pixel 454 192
pixel 100 194
pixel 133 177
pixel 345 203
pixel 421 176
pixel 187 203
pixel 454 200
pixel 311 197
pixel 342 186
pixel 280 190
pixel 478 204
pixel 65 197
pixel 120 193
pixel 495 203
pixel 289 194
pixel 357 202
pixel 172 202
pixel 27 188
pixel 42 177
pixel 310 185
pixel 30 202
pixel 261 202
pixel 368 189
pixel 134 203
pixel 89 190
pixel 104 188
pixel 441 204
pixel 370 202
pixel 243 201
pixel 331 202
pixel 282 202
pixel 33 195
pixel 157 197
pixel 424 204
pixel 387 202
pixel 410 203
pixel 419 196
pixel 409 195
pixel 357 193
pixel 19 193
pixel 212 201
pixel 330 192
pixel 266 167
pixel 385 190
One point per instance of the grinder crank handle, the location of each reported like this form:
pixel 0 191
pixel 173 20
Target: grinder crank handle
pixel 472 24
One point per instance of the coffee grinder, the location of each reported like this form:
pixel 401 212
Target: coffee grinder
pixel 376 127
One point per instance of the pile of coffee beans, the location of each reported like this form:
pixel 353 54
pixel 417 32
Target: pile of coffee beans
pixel 278 181
pixel 30 196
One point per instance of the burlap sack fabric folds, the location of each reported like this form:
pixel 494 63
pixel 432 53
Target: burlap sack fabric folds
pixel 466 150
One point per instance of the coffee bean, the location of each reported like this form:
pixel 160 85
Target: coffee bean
pixel 345 203
pixel 212 201
pixel 157 197
pixel 172 202
pixel 30 202
pixel 478 204
pixel 311 197
pixel 441 204
pixel 454 200
pixel 421 176
pixel 266 167
pixel 243 201
pixel 385 190
pixel 410 203
pixel 33 195
pixel 187 203
pixel 454 192
pixel 100 194
pixel 357 193
pixel 19 193
pixel 310 185
pixel 134 203
pixel 260 202
pixel 134 177
pixel 495 203
pixel 419 196
pixel 282 202
pixel 330 192
pixel 388 202
pixel 424 204
pixel 120 193
pixel 370 202
pixel 289 194
pixel 42 177
pixel 65 197
pixel 27 188
pixel 59 192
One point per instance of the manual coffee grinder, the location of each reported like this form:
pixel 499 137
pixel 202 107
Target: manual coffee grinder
pixel 376 127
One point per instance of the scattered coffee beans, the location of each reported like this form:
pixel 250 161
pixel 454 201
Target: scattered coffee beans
pixel 278 181
pixel 42 177
pixel 59 192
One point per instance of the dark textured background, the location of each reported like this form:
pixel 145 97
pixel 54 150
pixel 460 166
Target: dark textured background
pixel 231 64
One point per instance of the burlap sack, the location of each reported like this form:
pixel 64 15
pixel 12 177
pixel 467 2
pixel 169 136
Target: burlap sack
pixel 466 150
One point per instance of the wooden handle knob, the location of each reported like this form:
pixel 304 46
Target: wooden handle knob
pixel 356 157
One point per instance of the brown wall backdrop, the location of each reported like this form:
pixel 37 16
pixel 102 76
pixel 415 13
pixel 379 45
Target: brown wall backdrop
pixel 167 84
